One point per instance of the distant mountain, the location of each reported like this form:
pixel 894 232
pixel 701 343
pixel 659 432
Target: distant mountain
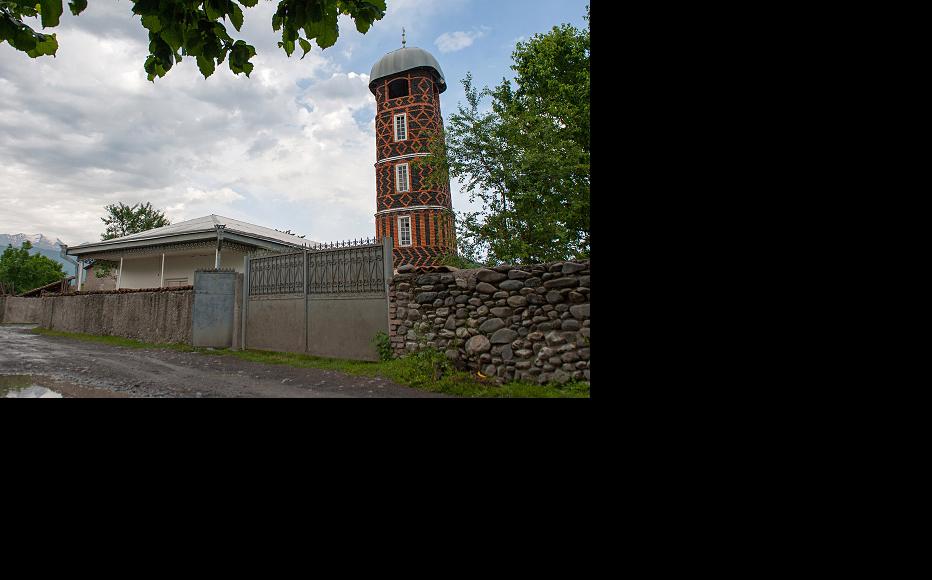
pixel 40 245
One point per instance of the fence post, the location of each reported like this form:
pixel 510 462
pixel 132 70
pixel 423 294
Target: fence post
pixel 246 266
pixel 305 301
pixel 387 244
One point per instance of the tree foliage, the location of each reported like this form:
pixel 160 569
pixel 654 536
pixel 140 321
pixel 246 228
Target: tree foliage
pixel 179 28
pixel 24 272
pixel 124 220
pixel 526 156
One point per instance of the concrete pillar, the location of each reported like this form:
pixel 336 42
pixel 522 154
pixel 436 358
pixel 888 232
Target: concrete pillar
pixel 245 297
pixel 162 275
pixel 120 273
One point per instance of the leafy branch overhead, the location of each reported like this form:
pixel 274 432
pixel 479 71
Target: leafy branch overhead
pixel 196 28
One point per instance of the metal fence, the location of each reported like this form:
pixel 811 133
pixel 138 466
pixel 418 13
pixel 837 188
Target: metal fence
pixel 279 274
pixel 340 268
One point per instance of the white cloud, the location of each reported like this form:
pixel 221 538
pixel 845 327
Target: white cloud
pixel 454 41
pixel 86 129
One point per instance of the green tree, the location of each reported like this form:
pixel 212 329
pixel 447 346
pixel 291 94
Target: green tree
pixel 179 28
pixel 526 157
pixel 24 272
pixel 124 220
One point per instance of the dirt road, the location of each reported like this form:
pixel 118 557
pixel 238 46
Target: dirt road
pixel 77 368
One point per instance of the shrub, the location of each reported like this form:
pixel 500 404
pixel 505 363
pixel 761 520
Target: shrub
pixel 384 346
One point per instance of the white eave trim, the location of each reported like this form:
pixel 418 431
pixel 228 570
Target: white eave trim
pixel 211 234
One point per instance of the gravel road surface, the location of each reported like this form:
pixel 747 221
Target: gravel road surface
pixel 77 368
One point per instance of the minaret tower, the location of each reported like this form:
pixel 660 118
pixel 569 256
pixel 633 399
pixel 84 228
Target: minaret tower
pixel 407 84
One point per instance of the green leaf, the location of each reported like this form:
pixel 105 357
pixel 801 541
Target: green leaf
pixel 206 65
pixel 172 37
pixel 152 22
pixel 212 12
pixel 305 46
pixel 236 17
pixel 179 28
pixel 45 44
pixel 51 12
pixel 239 57
pixel 77 6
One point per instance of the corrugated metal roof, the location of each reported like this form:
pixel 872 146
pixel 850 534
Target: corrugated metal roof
pixel 204 224
pixel 406 59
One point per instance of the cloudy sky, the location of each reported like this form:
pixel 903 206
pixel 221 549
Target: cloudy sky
pixel 291 147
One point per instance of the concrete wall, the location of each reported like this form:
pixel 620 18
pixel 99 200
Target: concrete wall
pixel 21 310
pixel 336 328
pixel 215 319
pixel 275 323
pixel 345 328
pixel 160 317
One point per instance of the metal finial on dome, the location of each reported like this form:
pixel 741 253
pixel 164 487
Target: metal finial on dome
pixel 403 41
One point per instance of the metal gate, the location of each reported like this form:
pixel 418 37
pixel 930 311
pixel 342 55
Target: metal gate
pixel 328 300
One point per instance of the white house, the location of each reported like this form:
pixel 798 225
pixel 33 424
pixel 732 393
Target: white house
pixel 168 256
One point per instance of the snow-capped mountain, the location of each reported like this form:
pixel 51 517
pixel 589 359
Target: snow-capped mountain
pixel 41 244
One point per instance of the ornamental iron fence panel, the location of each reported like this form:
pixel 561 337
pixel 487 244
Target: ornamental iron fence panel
pixel 339 268
pixel 348 270
pixel 277 274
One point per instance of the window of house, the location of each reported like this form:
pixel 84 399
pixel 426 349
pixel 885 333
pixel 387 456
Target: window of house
pixel 401 127
pixel 401 177
pixel 398 88
pixel 174 282
pixel 404 231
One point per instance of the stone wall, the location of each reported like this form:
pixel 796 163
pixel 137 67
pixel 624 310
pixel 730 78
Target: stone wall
pixel 512 322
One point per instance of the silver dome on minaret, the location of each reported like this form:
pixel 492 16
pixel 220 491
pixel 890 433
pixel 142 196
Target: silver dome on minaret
pixel 406 59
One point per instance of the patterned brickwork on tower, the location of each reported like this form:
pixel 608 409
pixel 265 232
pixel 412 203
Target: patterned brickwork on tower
pixel 407 83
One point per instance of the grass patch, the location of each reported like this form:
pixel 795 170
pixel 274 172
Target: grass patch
pixel 428 370
pixel 113 340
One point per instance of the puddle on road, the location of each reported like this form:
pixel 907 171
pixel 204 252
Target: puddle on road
pixel 39 387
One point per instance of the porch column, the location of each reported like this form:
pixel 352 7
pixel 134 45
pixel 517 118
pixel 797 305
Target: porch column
pixel 219 229
pixel 79 273
pixel 162 275
pixel 120 273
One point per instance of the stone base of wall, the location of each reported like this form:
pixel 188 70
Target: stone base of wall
pixel 510 322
